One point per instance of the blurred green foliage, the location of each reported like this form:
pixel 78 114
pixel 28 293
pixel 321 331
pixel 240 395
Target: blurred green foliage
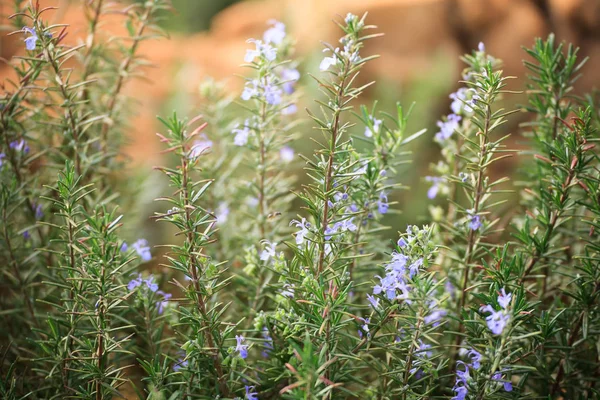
pixel 194 15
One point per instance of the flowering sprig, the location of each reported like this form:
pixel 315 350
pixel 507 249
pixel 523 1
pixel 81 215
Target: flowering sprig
pixel 205 337
pixel 270 97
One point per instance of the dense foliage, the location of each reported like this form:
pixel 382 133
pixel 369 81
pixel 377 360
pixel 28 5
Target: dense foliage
pixel 256 298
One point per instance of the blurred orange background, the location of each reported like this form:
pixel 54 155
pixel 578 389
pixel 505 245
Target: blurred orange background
pixel 419 52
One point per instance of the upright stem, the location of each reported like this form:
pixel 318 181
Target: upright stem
pixel 328 175
pixel 194 267
pixel 123 72
pixel 87 63
pixel 472 237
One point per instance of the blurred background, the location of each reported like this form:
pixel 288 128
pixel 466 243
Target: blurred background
pixel 419 59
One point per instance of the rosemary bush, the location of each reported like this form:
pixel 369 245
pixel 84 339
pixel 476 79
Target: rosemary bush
pixel 275 289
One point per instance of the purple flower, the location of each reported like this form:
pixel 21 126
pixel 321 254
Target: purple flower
pixel 288 290
pixel 364 328
pixel 241 135
pixel 153 286
pixel 460 387
pixel 398 263
pixel 382 203
pixel 496 321
pixel 507 384
pixel 272 94
pixel 269 250
pixel 124 247
pixel 289 110
pixel 286 154
pixel 200 146
pixel 436 314
pixel 289 76
pixel 481 47
pixel 450 289
pixel 241 347
pixel 268 343
pixel 402 243
pixel 26 235
pixel 475 358
pixel 435 186
pixel 461 393
pixel 250 89
pixel 422 352
pixel 504 299
pixel 328 61
pixel 141 247
pixel 447 127
pixel 20 146
pixel 460 102
pixel 2 157
pixel 373 300
pixel 222 213
pixel 474 220
pixel 250 395
pixel 463 177
pixel 31 40
pixel 414 267
pixel 263 50
pixel 161 304
pixel 38 211
pixel 376 123
pixel 300 235
pixel 181 363
pixel 276 33
pixel 135 282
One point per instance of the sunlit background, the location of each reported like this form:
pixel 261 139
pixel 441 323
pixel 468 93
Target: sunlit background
pixel 419 62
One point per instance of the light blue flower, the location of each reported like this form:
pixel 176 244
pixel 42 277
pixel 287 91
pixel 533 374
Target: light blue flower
pixel 508 387
pixel 142 249
pixel 164 302
pixel 276 33
pixel 475 358
pixel 289 76
pixel 200 146
pixel 250 395
pixel 289 110
pixel 135 282
pixel 269 251
pixel 475 222
pixel 286 154
pixel 376 124
pixel 504 299
pixel 250 89
pixel 31 41
pixel 364 328
pixel 222 213
pixel 263 50
pixel 241 135
pixel 328 62
pixel 241 347
pixel 497 320
pixel 382 203
pixel 20 146
pixel 435 186
pixel 447 127
pixel 289 290
pixel 301 234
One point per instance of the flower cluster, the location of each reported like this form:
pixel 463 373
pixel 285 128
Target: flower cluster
pixel 141 248
pixel 405 264
pixel 497 320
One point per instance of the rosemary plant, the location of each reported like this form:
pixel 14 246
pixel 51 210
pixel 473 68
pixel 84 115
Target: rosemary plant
pixel 267 289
